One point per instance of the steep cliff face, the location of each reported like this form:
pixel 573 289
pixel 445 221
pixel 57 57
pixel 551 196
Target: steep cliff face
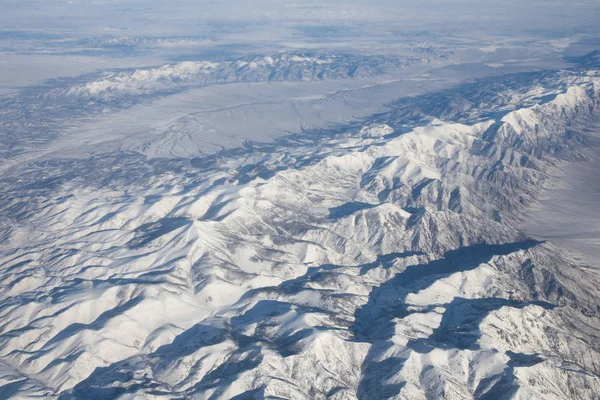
pixel 383 261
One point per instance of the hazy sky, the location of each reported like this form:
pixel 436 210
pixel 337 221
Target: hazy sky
pixel 187 17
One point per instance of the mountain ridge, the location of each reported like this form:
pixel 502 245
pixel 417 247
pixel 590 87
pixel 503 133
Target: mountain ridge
pixel 384 261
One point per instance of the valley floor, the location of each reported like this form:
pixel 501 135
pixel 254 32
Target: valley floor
pixel 568 213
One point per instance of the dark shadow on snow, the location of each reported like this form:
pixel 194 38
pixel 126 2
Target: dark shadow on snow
pixel 459 328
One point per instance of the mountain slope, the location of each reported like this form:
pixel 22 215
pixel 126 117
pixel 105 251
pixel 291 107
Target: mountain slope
pixel 384 261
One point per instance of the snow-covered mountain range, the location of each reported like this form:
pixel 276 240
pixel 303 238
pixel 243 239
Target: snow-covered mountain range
pixel 381 260
pixel 258 68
